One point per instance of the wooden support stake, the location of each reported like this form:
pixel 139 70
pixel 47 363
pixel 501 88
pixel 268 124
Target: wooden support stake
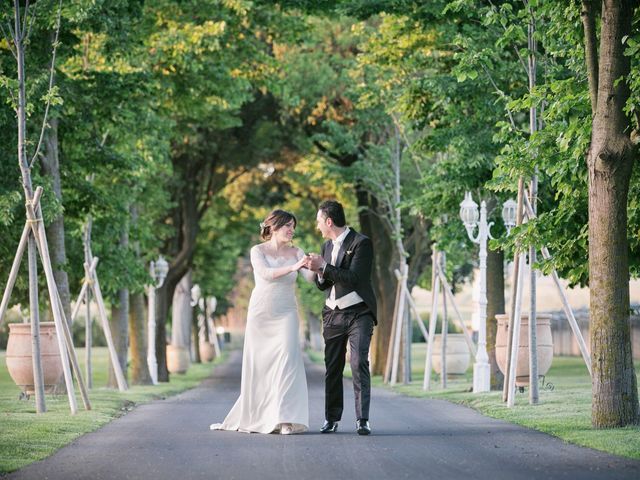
pixel 515 341
pixel 56 303
pixel 88 340
pixel 73 356
pixel 34 311
pixel 13 274
pixel 408 337
pixel 414 307
pixel 81 299
pixel 514 290
pixel 34 223
pixel 570 317
pixel 389 361
pixel 565 301
pixel 88 260
pixel 399 327
pixel 467 337
pixel 443 333
pixel 88 274
pixel 15 267
pixel 27 239
pixel 435 287
pixel 97 293
pixel 534 394
pixel 419 321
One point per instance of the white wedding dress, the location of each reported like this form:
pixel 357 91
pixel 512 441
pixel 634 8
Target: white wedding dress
pixel 273 392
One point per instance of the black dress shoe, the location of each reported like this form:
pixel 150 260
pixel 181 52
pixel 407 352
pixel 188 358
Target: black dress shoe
pixel 329 427
pixel 362 427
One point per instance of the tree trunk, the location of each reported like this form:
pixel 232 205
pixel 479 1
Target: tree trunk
pixel 385 262
pixel 138 325
pixel 138 338
pixel 195 339
pixel 119 323
pixel 50 167
pixel 55 231
pixel 384 281
pixel 185 219
pixel 182 313
pixel 163 304
pixel 495 305
pixel 610 161
pixel 162 308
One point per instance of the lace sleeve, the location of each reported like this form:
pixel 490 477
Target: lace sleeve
pixel 308 275
pixel 260 265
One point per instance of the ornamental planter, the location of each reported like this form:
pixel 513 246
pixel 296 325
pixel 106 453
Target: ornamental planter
pixel 544 341
pixel 20 363
pixel 178 359
pixel 458 356
pixel 207 352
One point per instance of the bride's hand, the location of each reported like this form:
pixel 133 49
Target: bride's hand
pixel 299 264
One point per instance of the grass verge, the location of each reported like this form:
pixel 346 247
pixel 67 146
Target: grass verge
pixel 26 437
pixel 564 411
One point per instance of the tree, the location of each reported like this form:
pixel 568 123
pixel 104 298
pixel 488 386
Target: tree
pixel 613 150
pixel 567 224
pixel 413 60
pixel 572 218
pixel 214 59
pixel 112 138
pixel 38 27
pixel 320 100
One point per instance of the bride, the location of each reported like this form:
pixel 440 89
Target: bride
pixel 273 393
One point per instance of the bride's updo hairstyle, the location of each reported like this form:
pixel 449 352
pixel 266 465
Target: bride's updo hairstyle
pixel 275 220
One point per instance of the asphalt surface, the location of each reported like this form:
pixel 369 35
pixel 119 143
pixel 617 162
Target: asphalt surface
pixel 412 438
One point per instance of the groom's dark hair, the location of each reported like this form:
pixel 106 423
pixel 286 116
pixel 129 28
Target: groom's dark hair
pixel 333 210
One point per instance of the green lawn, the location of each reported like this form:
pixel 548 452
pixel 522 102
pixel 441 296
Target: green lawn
pixel 26 436
pixel 564 411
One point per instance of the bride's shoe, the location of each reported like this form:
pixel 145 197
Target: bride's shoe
pixel 286 429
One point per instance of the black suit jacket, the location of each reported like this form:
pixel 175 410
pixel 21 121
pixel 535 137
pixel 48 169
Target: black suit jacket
pixel 352 271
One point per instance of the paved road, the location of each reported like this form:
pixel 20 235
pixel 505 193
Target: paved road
pixel 413 438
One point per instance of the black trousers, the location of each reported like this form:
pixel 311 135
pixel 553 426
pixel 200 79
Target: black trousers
pixel 355 326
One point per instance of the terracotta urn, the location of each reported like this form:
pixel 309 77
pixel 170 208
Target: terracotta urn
pixel 458 356
pixel 178 358
pixel 544 342
pixel 207 352
pixel 20 363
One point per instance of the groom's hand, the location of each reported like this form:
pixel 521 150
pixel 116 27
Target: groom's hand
pixel 315 262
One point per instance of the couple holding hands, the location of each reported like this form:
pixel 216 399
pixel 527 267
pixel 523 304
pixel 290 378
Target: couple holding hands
pixel 273 395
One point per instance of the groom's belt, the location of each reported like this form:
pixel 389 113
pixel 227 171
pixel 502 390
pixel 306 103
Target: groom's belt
pixel 346 301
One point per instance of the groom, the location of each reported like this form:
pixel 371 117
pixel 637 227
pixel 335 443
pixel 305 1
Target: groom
pixel 349 314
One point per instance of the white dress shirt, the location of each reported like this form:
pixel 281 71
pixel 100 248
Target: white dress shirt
pixel 351 298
